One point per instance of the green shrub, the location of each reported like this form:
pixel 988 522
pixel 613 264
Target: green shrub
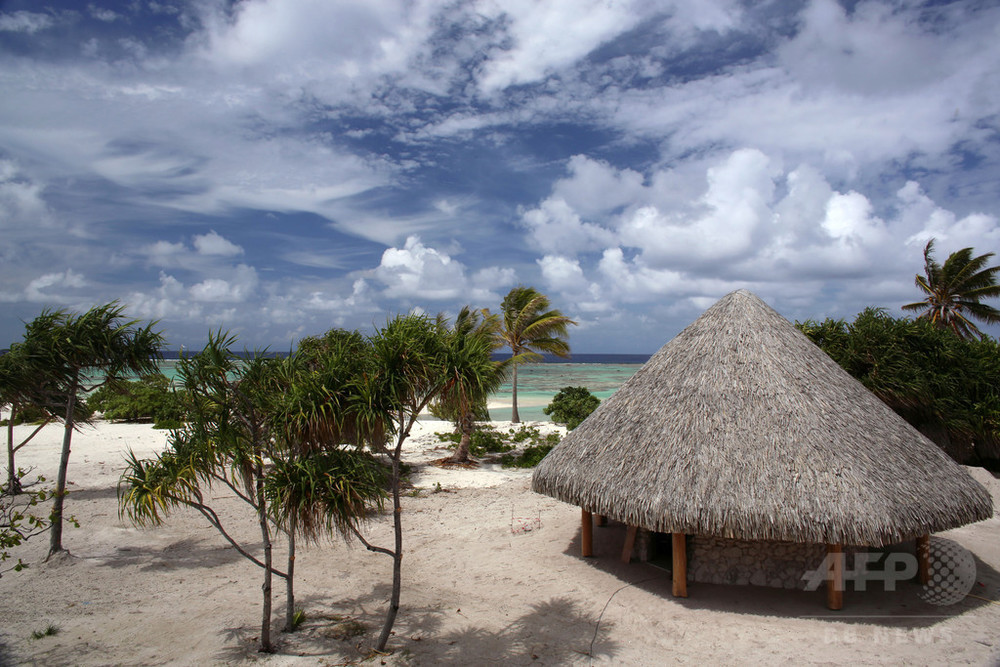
pixel 148 399
pixel 531 456
pixel 488 440
pixel 571 406
pixel 28 415
pixel 485 440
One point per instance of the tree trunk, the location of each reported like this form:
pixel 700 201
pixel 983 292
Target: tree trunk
pixel 58 498
pixel 397 555
pixel 265 623
pixel 514 417
pixel 466 424
pixel 13 481
pixel 290 582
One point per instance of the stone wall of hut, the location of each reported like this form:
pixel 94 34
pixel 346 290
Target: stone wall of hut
pixel 717 560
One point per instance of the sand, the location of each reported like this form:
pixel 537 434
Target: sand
pixel 491 575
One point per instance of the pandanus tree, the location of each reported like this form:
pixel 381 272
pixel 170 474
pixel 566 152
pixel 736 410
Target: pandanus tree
pixel 75 354
pixel 273 433
pixel 954 291
pixel 530 325
pixel 471 374
pixel 19 383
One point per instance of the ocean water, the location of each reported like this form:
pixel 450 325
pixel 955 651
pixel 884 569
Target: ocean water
pixel 538 383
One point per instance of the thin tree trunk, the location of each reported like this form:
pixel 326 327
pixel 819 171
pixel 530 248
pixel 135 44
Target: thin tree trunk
pixel 55 532
pixel 265 623
pixel 290 581
pixel 514 417
pixel 466 424
pixel 397 556
pixel 13 481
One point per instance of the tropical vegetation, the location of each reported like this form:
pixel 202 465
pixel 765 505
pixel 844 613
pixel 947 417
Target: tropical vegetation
pixel 954 292
pixel 283 435
pixel 942 384
pixel 571 406
pixel 72 354
pixel 530 325
pixel 147 399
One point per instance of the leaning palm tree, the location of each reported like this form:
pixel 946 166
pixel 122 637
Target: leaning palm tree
pixel 471 374
pixel 531 326
pixel 79 353
pixel 954 292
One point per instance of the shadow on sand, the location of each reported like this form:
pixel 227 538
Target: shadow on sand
pixel 902 608
pixel 555 631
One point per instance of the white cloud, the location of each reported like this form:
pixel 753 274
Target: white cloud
pixel 40 289
pixel 213 244
pixel 238 287
pixel 551 35
pixel 21 201
pixel 420 273
pixel 26 22
pixel 554 227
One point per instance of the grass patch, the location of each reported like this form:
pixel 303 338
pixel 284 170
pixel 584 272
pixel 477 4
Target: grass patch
pixel 47 632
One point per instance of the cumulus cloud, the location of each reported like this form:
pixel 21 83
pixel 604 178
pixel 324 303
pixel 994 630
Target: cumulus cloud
pixel 755 223
pixel 238 287
pixel 214 244
pixel 419 272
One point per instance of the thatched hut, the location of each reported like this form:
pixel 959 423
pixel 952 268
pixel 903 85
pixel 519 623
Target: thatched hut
pixel 740 431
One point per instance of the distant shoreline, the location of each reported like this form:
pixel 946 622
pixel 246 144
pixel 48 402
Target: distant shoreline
pixel 582 358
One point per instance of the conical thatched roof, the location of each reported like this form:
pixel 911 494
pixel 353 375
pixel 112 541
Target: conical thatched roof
pixel 742 427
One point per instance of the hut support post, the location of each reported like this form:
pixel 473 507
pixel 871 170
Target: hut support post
pixel 924 559
pixel 679 549
pixel 586 534
pixel 629 544
pixel 835 577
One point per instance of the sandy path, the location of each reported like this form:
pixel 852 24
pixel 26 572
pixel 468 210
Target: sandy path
pixel 479 588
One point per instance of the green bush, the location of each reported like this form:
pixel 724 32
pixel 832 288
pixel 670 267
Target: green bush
pixel 148 399
pixel 28 415
pixel 532 455
pixel 571 406
pixel 488 440
pixel 485 440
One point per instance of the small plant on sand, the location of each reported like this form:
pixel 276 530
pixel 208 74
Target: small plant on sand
pixel 485 440
pixel 47 632
pixel 298 618
pixel 18 521
pixel 529 457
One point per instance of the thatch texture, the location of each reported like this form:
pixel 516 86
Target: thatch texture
pixel 741 427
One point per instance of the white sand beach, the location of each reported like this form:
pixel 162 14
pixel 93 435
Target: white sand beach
pixel 491 575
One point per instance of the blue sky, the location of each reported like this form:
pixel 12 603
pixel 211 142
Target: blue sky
pixel 278 168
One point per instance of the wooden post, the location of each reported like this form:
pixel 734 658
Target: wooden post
pixel 629 544
pixel 600 520
pixel 835 577
pixel 586 534
pixel 924 559
pixel 679 548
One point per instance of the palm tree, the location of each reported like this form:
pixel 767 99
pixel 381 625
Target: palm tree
pixel 271 431
pixel 471 373
pixel 955 290
pixel 73 350
pixel 19 383
pixel 530 326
